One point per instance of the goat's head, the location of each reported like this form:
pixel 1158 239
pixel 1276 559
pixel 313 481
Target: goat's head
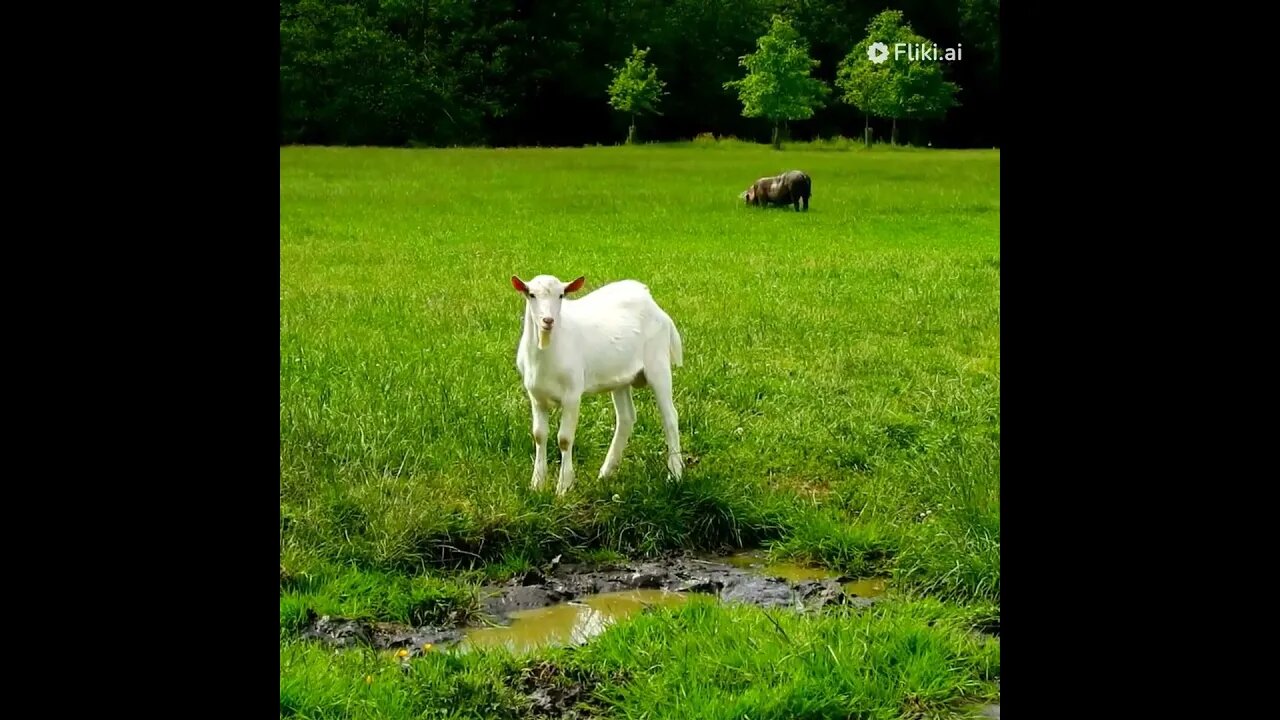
pixel 543 295
pixel 749 195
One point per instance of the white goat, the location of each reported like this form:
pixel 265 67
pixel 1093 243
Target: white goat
pixel 611 340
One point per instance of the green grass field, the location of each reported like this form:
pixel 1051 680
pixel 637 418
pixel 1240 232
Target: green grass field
pixel 839 404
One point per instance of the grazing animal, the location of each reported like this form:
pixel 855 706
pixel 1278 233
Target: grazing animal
pixel 790 188
pixel 610 340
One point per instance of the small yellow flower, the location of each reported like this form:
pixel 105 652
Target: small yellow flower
pixel 403 653
pixel 426 647
pixel 368 679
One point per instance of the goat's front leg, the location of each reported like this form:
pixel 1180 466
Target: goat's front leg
pixel 541 427
pixel 568 429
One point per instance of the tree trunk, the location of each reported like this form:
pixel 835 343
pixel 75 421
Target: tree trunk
pixel 894 134
pixel 777 143
pixel 631 132
pixel 866 130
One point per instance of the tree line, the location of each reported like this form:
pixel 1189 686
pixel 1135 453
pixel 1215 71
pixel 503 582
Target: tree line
pixel 556 72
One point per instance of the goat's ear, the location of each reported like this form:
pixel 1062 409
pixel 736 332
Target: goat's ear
pixel 576 285
pixel 518 284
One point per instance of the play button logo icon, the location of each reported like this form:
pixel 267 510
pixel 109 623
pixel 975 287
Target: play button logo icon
pixel 878 52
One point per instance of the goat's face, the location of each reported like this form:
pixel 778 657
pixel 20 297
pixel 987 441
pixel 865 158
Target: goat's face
pixel 543 296
pixel 749 195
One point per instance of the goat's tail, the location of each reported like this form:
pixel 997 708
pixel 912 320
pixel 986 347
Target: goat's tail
pixel 676 345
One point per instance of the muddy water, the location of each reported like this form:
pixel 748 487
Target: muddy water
pixel 569 623
pixel 866 587
pixel 568 604
pixel 757 561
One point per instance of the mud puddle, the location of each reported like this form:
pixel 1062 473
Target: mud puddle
pixel 570 623
pixel 567 604
pixel 757 561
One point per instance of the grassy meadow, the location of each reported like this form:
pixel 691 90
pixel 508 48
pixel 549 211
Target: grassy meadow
pixel 839 404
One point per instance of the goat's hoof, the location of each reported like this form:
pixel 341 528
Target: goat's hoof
pixel 565 483
pixel 676 465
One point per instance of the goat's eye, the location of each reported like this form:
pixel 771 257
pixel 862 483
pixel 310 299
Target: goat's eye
pixel 561 296
pixel 530 295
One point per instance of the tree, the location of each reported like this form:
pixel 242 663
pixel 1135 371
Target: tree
pixel 636 88
pixel 899 86
pixel 778 85
pixel 980 26
pixel 516 73
pixel 863 84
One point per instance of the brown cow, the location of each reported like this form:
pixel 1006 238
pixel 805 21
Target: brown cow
pixel 790 188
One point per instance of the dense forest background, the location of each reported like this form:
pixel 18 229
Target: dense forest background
pixel 537 72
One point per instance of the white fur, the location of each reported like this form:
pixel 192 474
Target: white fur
pixel 610 340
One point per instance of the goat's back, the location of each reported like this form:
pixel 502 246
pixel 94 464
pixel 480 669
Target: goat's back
pixel 617 312
pixel 618 327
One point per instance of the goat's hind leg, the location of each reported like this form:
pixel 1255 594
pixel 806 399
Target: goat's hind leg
pixel 658 375
pixel 625 414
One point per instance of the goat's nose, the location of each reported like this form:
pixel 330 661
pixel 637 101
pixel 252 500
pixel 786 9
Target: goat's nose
pixel 548 321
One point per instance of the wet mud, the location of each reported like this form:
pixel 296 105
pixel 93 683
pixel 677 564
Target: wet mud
pixel 553 694
pixel 730 579
pixel 567 604
pixel 339 632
